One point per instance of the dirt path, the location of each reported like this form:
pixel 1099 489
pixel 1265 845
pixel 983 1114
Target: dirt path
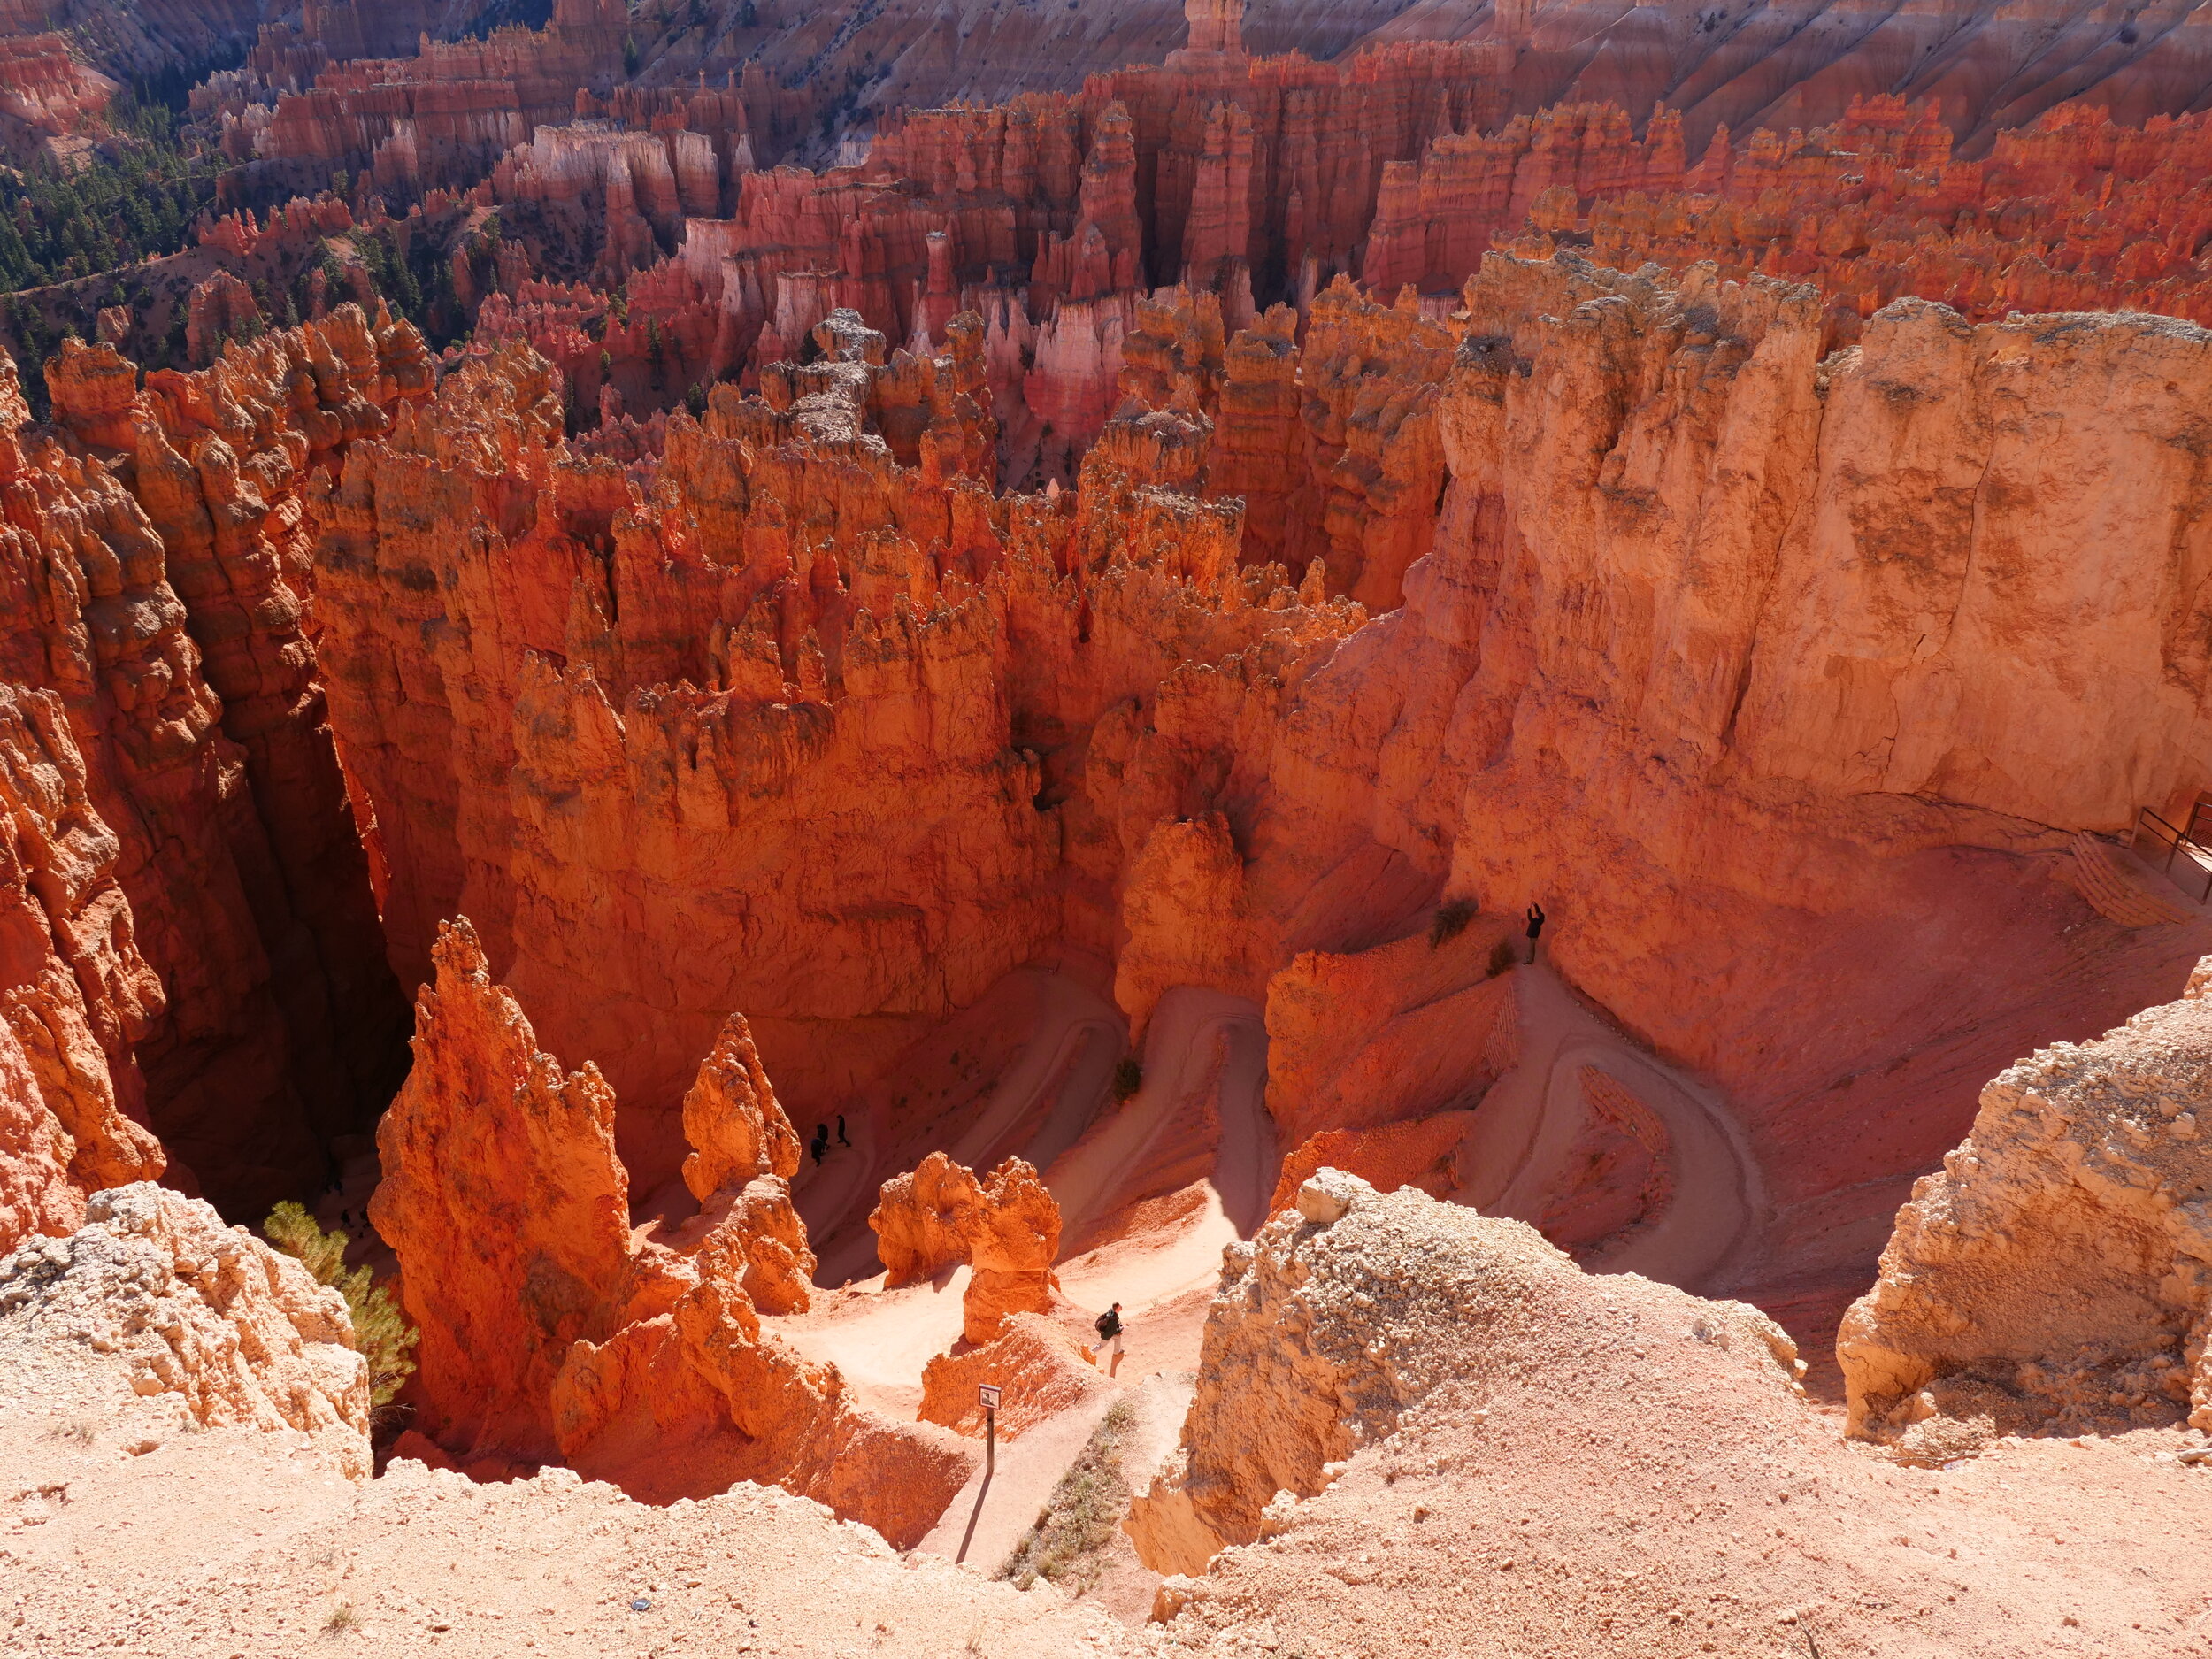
pixel 1531 1116
pixel 1028 1469
pixel 1038 1107
pixel 1192 1032
pixel 1205 1055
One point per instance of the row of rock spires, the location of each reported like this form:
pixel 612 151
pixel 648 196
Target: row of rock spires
pixel 346 92
pixel 1054 215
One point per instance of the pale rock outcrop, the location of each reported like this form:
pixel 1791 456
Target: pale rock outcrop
pixel 1338 1320
pixel 155 1317
pixel 2055 1275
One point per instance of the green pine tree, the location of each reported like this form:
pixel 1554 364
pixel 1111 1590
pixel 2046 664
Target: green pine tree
pixel 378 1324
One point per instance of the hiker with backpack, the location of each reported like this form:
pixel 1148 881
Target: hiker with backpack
pixel 1109 1328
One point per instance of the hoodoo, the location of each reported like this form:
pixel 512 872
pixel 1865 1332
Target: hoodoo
pixel 1287 828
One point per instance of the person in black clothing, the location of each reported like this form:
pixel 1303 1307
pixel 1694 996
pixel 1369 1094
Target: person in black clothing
pixel 1535 926
pixel 1108 1328
pixel 820 1143
pixel 841 1131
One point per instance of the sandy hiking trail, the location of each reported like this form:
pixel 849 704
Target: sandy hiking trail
pixel 1530 1117
pixel 1038 1107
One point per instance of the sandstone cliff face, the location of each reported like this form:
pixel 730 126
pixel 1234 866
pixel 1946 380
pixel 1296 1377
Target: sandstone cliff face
pixel 1644 563
pixel 162 592
pixel 551 1329
pixel 74 992
pixel 781 627
pixel 93 617
pixel 697 675
pixel 155 1317
pixel 2053 1276
pixel 1666 572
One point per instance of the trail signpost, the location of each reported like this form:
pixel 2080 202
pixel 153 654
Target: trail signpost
pixel 988 1391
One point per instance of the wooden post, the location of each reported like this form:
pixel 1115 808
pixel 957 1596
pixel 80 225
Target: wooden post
pixel 989 1392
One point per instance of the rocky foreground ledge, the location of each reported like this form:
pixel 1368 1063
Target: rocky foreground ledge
pixel 1417 1430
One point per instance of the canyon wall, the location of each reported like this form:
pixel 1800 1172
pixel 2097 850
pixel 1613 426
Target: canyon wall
pixel 581 704
pixel 187 830
pixel 1675 542
pixel 77 993
pixel 1804 669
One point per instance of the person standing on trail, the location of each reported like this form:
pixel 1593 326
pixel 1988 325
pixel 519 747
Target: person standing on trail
pixel 1109 1337
pixel 841 1131
pixel 820 1143
pixel 1535 926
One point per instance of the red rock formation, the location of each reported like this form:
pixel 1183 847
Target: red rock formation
pixel 1420 1152
pixel 1007 1229
pixel 744 1154
pixel 238 1054
pixel 74 992
pixel 921 1220
pixel 1012 1244
pixel 744 1407
pixel 1661 516
pixel 548 1330
pixel 1183 907
pixel 854 699
pixel 503 1200
pixel 1407 1030
pixel 219 309
pixel 444 115
pixel 51 101
pixel 1620 1171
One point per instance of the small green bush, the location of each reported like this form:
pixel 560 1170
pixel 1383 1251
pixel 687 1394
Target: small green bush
pixel 1450 921
pixel 1502 957
pixel 1128 1077
pixel 378 1324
